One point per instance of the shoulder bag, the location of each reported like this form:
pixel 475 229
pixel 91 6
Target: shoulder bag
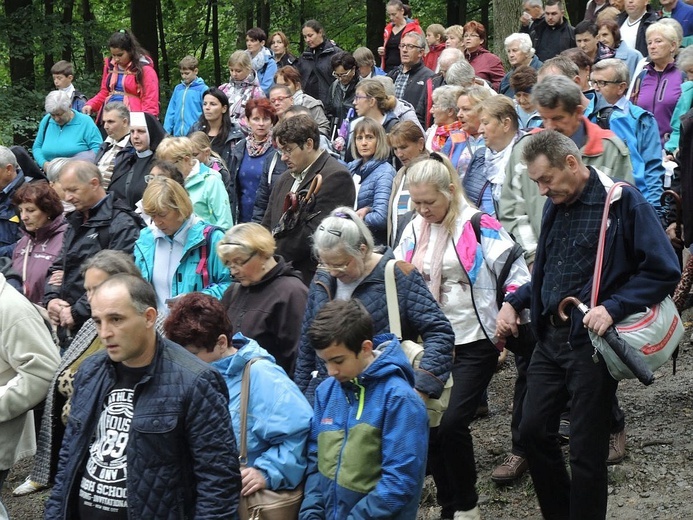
pixel 264 504
pixel 654 334
pixel 413 350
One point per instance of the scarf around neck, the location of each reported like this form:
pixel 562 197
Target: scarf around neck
pixel 442 133
pixel 436 274
pixel 257 148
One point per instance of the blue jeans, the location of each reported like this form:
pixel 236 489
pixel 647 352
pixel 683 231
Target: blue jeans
pixel 451 453
pixel 559 371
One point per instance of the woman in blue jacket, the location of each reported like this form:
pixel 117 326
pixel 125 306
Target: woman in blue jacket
pixel 279 417
pixel 177 255
pixel 373 176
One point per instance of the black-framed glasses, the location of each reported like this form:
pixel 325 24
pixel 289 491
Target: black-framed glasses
pixel 601 83
pixel 238 265
pixel 341 75
pixel 409 46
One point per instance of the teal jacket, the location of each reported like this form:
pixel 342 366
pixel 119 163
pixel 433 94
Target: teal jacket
pixel 185 107
pixel 682 106
pixel 209 196
pixel 368 444
pixel 186 277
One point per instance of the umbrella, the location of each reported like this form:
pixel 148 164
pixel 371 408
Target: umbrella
pixel 621 348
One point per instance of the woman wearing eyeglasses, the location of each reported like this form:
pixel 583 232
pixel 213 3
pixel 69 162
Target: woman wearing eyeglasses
pixel 268 300
pixel 178 254
pixel 487 66
pixel 343 89
pixel 350 268
pixel 399 26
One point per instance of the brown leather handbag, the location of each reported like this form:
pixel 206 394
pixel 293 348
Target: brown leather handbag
pixel 264 504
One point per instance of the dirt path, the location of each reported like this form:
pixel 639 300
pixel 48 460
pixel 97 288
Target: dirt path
pixel 654 481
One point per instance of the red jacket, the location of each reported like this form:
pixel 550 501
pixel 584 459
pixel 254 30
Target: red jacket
pixel 138 98
pixel 487 66
pixel 412 26
pixel 431 58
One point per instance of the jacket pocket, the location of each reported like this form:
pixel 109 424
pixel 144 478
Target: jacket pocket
pixel 155 423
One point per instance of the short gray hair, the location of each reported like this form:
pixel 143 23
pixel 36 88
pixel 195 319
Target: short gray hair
pixel 563 65
pixel 84 171
pixel 111 262
pixel 460 73
pixel 450 55
pixel 57 101
pixel 120 108
pixel 7 157
pixel 534 3
pixel 420 39
pixel 524 40
pixel 685 59
pixel 445 97
pixel 557 91
pixel 343 229
pixel 54 168
pixel 387 83
pixel 619 68
pixel 552 145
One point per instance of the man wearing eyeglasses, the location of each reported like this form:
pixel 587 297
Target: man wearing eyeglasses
pixel 410 77
pixel 635 126
pixel 298 143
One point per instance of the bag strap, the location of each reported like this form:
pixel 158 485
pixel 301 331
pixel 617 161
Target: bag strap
pixel 596 279
pixel 202 265
pixel 245 396
pixel 392 301
pixel 429 101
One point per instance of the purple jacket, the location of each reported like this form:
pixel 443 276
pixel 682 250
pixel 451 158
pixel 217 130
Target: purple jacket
pixel 40 250
pixel 658 93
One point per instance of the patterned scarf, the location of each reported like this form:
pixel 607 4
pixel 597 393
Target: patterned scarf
pixel 436 274
pixel 442 133
pixel 257 148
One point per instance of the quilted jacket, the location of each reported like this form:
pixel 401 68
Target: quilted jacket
pixel 375 187
pixel 181 452
pixel 421 316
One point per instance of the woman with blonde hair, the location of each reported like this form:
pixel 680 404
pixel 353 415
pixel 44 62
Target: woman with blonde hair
pixel 178 254
pixel 454 37
pixel 463 143
pixel 243 86
pixel 267 301
pixel 205 187
pixel 461 271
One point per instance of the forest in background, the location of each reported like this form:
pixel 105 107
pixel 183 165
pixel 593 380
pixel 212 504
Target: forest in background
pixel 34 34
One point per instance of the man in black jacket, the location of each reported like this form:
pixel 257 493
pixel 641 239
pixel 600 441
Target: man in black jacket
pixel 410 77
pixel 98 222
pixel 149 434
pixel 552 35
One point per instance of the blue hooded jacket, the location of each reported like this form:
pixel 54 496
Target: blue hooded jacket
pixel 185 107
pixel 368 445
pixel 278 415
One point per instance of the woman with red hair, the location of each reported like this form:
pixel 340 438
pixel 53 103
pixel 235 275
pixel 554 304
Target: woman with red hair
pixel 248 158
pixel 487 66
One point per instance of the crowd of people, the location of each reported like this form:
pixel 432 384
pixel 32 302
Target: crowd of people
pixel 154 274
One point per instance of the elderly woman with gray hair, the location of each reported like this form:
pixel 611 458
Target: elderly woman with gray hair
pixel 64 132
pixel 444 111
pixel 518 47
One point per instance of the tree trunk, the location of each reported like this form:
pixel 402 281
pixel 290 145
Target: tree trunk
pixel 143 26
pixel 485 5
pixel 21 60
pixel 92 54
pixel 47 56
pixel 505 25
pixel 162 39
pixel 263 17
pixel 208 19
pixel 215 42
pixel 375 23
pixel 68 7
pixel 457 12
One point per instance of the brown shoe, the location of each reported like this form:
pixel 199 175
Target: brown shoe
pixel 617 447
pixel 513 467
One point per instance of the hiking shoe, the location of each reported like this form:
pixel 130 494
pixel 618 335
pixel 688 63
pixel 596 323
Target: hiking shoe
pixel 472 514
pixel 27 488
pixel 513 467
pixel 617 447
pixel 564 431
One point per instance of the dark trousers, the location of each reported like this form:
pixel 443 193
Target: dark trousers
pixel 451 453
pixel 559 371
pixel 521 364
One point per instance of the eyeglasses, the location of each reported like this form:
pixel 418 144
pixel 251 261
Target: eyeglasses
pixel 360 98
pixel 286 151
pixel 409 46
pixel 279 99
pixel 472 35
pixel 238 265
pixel 334 268
pixel 343 74
pixel 603 83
